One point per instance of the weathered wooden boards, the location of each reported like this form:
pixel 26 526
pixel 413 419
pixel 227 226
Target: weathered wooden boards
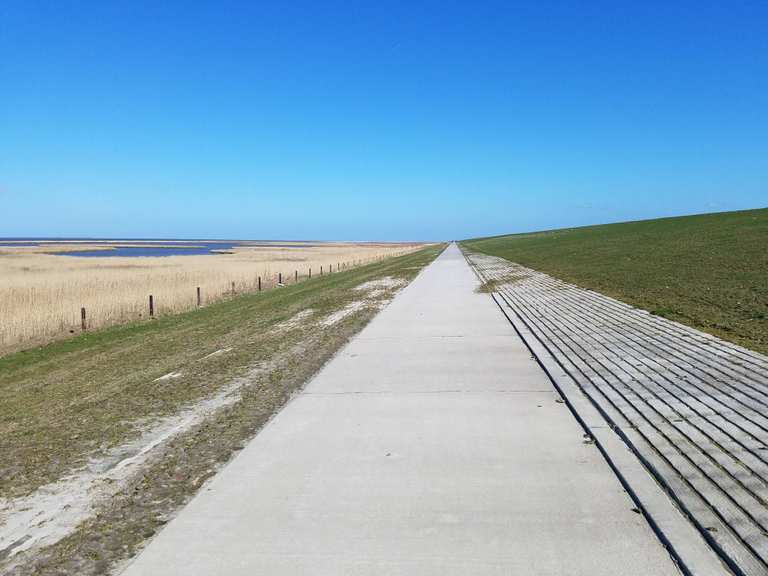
pixel 693 407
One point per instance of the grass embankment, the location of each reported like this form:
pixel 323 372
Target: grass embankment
pixel 709 271
pixel 71 401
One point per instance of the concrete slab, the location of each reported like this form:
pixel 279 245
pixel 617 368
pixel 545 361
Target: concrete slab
pixel 404 364
pixel 433 444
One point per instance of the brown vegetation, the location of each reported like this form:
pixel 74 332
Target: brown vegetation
pixel 41 294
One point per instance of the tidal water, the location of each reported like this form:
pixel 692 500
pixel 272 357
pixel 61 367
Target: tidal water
pixel 150 247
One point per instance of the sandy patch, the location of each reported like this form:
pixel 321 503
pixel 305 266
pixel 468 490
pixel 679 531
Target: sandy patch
pixel 376 289
pixel 55 510
pixel 169 376
pixel 339 315
pixel 386 283
pixel 294 321
pixel 218 352
pixel 377 294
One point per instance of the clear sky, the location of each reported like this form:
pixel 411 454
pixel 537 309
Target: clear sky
pixel 376 120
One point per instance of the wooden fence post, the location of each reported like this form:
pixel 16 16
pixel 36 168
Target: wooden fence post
pixel 296 276
pixel 279 277
pixel 199 300
pixel 233 288
pixel 83 324
pixel 151 307
pixel 259 283
pixel 310 272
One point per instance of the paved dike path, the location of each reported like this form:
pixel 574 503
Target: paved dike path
pixel 432 444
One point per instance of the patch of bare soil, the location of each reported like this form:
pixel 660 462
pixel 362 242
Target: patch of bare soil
pixel 55 510
pixel 375 294
pixel 386 283
pixel 295 320
pixel 493 285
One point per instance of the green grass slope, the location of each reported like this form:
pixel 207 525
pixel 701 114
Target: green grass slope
pixel 709 271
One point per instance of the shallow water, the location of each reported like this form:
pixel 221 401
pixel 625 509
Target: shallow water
pixel 152 247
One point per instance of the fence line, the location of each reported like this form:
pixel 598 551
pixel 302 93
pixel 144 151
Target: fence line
pixel 356 263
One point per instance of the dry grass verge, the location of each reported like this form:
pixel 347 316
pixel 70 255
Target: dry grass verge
pixel 41 294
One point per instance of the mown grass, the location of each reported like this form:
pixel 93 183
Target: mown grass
pixel 65 402
pixel 709 271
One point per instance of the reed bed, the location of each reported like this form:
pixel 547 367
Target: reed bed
pixel 41 295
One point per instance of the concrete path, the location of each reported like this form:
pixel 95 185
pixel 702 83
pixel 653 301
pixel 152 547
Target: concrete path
pixel 693 407
pixel 433 444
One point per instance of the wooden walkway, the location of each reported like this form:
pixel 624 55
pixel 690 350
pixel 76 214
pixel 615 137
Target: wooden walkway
pixel 693 408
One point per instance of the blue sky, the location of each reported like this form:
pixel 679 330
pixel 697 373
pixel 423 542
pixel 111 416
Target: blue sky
pixel 376 120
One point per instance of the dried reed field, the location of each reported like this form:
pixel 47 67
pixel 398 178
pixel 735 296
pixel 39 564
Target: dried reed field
pixel 41 295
